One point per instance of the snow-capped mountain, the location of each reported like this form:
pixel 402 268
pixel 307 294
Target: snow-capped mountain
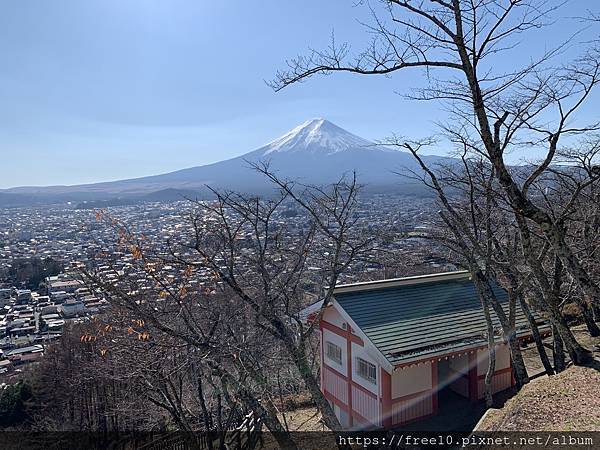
pixel 315 152
pixel 316 136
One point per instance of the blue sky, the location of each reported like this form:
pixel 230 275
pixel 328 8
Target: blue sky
pixel 108 89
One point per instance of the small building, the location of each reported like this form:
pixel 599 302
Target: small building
pixel 22 331
pixel 6 367
pixel 23 296
pixel 25 354
pixel 55 326
pixel 72 308
pixel 64 285
pixel 42 300
pixel 60 296
pixel 392 351
pixel 5 296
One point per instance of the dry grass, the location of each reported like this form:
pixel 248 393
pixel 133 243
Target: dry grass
pixel 304 419
pixel 569 401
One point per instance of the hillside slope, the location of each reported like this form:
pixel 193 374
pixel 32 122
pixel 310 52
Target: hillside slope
pixel 569 401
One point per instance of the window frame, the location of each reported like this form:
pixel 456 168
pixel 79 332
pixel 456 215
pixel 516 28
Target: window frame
pixel 328 345
pixel 368 366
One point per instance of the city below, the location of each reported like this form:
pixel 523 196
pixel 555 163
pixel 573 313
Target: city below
pixel 60 239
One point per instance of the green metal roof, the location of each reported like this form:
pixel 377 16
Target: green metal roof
pixel 414 321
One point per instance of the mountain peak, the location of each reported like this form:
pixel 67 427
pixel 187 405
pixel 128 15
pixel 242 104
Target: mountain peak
pixel 316 136
pixel 316 122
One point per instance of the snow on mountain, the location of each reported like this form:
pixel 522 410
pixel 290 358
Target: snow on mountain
pixel 316 136
pixel 316 152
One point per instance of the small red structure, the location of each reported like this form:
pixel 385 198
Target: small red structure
pixel 388 348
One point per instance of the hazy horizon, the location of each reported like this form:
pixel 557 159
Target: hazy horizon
pixel 104 90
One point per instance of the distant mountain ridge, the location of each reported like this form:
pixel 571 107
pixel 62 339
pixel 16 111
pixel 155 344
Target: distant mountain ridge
pixel 315 152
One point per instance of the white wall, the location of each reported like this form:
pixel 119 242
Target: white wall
pixel 332 316
pixel 361 352
pixel 340 341
pixel 502 359
pixel 411 380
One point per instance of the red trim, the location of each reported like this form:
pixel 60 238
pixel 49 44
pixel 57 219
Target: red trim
pixel 467 352
pixel 386 399
pixel 513 380
pixel 335 372
pixel 358 418
pixel 352 382
pixel 473 387
pixel 341 332
pixel 349 368
pixel 435 358
pixel 322 355
pixel 424 395
pixel 434 386
pixel 364 389
pixel 329 396
pixel 529 339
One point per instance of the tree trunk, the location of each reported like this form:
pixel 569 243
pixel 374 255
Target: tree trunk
pixel 329 417
pixel 559 352
pixel 579 355
pixel 508 328
pixel 516 356
pixel 537 338
pixel 489 399
pixel 267 413
pixel 595 310
pixel 588 318
pixel 522 206
pixel 272 422
pixel 576 270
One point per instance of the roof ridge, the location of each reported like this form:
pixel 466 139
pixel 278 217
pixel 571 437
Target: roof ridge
pixel 405 281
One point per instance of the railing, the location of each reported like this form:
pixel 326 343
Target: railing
pixel 175 442
pixel 245 436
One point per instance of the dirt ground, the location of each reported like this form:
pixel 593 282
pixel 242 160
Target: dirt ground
pixel 304 419
pixel 532 359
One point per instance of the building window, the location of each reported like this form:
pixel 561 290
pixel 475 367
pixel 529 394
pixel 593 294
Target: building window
pixel 366 370
pixel 334 352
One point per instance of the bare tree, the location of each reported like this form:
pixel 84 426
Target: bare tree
pixel 223 353
pixel 473 235
pixel 232 285
pixel 492 111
